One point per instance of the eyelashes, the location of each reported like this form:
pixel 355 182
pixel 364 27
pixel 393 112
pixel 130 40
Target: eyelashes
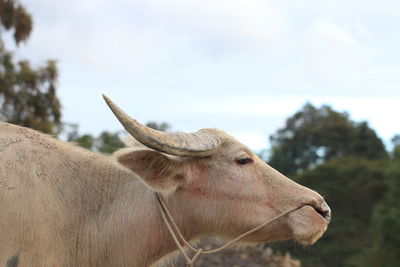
pixel 244 160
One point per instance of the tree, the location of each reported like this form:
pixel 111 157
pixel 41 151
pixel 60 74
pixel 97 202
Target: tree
pixel 105 142
pixel 352 186
pixel 314 135
pixel 27 94
pixel 108 142
pixel 13 16
pixel 347 163
pixel 396 146
pixel 163 126
pixel 384 248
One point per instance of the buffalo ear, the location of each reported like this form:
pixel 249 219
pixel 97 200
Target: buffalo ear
pixel 157 170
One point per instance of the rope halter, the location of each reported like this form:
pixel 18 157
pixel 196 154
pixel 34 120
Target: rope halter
pixel 177 235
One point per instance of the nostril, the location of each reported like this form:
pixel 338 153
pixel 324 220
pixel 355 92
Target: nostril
pixel 324 211
pixel 320 206
pixel 325 214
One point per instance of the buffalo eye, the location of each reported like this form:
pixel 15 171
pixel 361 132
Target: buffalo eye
pixel 244 160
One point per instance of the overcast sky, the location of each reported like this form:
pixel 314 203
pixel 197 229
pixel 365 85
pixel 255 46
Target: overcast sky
pixel 241 66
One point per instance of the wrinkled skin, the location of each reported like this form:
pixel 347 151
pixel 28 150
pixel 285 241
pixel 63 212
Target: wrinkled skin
pixel 65 206
pixel 226 198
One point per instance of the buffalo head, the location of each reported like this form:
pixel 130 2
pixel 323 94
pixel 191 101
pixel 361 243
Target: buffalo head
pixel 215 185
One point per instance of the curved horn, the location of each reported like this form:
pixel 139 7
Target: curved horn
pixel 201 143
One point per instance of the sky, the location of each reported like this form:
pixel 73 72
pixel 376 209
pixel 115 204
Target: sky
pixel 242 66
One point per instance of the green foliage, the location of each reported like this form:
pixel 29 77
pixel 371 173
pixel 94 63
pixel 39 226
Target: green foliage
pixel 106 142
pixel 385 247
pixel 27 95
pixel 13 16
pixel 347 163
pixel 315 135
pixel 352 186
pixel 396 146
pixel 109 142
pixel 163 126
pixel 86 141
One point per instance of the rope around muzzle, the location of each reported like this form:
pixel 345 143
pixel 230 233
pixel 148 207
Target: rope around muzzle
pixel 168 220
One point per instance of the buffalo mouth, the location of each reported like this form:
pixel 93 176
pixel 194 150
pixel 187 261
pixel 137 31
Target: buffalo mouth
pixel 309 222
pixel 324 211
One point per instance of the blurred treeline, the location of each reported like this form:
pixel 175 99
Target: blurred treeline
pixel 348 164
pixel 105 142
pixel 319 147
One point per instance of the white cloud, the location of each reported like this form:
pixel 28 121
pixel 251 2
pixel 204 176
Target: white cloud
pixel 241 23
pixel 239 65
pixel 361 28
pixel 137 35
pixel 338 58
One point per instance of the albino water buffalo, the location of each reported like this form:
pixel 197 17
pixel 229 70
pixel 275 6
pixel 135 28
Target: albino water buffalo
pixel 62 205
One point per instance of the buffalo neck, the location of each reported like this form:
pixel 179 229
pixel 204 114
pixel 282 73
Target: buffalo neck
pixel 115 218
